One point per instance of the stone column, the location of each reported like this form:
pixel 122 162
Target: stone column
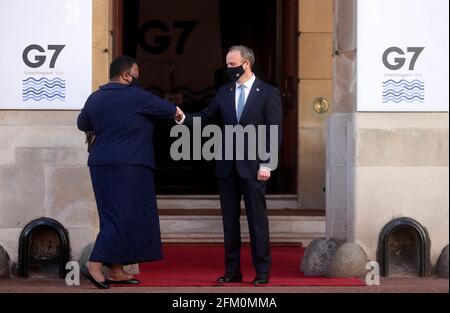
pixel 338 143
pixel 315 73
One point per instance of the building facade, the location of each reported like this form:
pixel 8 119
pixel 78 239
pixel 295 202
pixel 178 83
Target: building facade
pixel 344 174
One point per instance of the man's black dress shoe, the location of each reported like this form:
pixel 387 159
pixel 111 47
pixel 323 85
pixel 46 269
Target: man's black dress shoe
pixel 230 278
pixel 98 284
pixel 262 278
pixel 123 282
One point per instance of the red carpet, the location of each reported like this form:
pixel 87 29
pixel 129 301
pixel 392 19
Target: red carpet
pixel 201 265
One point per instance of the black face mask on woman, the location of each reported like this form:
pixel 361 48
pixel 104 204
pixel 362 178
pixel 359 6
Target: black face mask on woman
pixel 235 72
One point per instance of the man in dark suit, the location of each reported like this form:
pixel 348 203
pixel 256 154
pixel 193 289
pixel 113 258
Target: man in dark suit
pixel 246 101
pixel 121 163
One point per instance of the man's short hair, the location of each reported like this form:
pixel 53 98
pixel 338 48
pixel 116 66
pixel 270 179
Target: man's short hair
pixel 120 64
pixel 246 53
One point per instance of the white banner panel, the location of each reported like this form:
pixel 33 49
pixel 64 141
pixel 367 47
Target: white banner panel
pixel 403 52
pixel 46 54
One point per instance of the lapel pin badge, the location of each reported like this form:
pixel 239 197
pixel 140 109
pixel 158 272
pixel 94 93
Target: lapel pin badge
pixel 257 89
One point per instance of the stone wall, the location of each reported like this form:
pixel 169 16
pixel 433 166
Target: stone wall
pixel 380 166
pixel 43 173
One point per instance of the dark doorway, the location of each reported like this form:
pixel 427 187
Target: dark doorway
pixel 181 47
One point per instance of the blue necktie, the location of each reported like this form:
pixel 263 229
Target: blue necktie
pixel 241 103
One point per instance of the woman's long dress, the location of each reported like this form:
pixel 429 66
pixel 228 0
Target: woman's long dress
pixel 129 221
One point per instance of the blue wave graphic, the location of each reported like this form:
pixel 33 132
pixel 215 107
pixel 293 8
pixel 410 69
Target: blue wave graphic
pixel 44 96
pixel 44 88
pixel 55 88
pixel 403 81
pixel 39 99
pixel 40 90
pixel 403 87
pixel 408 83
pixel 43 93
pixel 402 100
pixel 44 79
pixel 403 91
pixel 44 84
pixel 402 94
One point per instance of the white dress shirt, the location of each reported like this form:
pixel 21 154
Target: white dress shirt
pixel 247 87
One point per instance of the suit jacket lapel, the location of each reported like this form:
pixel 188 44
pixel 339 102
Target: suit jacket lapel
pixel 251 100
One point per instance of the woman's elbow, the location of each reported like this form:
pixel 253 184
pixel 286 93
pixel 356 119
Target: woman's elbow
pixel 82 124
pixel 82 128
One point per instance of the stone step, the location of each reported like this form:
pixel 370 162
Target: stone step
pixel 270 212
pixel 286 201
pixel 205 226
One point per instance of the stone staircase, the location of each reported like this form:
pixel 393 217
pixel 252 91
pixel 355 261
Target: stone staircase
pixel 197 219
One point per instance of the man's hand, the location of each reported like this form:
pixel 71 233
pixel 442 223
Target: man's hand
pixel 263 174
pixel 179 115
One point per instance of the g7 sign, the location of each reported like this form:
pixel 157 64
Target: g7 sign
pixel 39 60
pixel 163 42
pixel 399 62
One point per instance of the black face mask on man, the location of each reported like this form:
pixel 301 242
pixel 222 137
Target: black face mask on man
pixel 134 81
pixel 236 72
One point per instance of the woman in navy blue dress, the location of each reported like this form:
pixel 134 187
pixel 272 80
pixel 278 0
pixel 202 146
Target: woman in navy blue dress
pixel 121 163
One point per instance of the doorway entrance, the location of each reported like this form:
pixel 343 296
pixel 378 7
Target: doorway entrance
pixel 181 47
